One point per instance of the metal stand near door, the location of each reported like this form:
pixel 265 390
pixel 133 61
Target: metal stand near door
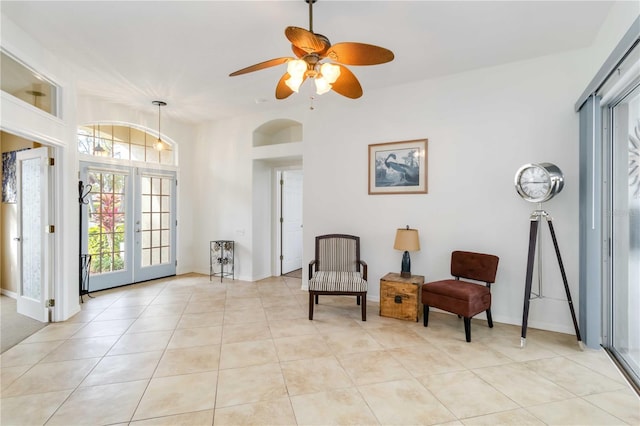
pixel 85 271
pixel 221 258
pixel 535 218
pixel 85 259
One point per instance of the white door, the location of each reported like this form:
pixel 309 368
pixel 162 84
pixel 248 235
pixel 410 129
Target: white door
pixel 155 227
pixel 291 220
pixel 106 226
pixel 129 225
pixel 32 184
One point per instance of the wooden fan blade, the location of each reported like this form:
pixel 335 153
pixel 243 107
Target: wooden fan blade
pixel 261 66
pixel 347 84
pixel 282 90
pixel 359 54
pixel 306 40
pixel 297 51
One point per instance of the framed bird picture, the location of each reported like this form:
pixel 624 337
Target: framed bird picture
pixel 398 167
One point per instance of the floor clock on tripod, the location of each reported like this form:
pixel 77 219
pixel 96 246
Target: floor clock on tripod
pixel 537 183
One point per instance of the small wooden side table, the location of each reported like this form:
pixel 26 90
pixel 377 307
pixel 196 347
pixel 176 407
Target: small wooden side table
pixel 401 297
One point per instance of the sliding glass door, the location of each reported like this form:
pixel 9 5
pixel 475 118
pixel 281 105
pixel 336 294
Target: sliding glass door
pixel 624 238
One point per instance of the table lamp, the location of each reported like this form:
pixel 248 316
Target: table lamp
pixel 407 240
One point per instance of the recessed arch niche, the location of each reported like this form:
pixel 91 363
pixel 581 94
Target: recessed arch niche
pixel 278 131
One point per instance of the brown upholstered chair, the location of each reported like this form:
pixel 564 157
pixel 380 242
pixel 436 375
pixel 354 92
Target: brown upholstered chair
pixel 463 298
pixel 338 270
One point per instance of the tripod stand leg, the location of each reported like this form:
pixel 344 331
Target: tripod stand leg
pixel 564 280
pixel 533 237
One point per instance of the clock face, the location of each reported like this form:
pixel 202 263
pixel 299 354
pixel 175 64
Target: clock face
pixel 538 182
pixel 534 182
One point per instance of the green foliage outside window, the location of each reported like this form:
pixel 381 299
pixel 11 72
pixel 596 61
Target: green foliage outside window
pixel 106 234
pixel 105 249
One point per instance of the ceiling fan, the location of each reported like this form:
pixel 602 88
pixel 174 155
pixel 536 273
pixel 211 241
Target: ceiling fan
pixel 310 49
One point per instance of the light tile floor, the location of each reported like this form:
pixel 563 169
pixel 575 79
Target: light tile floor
pixel 189 351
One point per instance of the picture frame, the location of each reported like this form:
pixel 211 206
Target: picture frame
pixel 398 167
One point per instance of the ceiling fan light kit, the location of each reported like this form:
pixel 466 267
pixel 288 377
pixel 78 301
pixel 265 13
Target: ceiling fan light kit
pixel 310 49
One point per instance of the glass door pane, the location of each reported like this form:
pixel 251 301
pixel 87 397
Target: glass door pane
pixel 31 229
pixel 107 242
pixel 625 232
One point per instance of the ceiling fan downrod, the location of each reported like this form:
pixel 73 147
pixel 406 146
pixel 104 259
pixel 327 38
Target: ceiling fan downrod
pixel 311 2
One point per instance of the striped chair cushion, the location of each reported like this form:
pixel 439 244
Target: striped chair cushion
pixel 337 281
pixel 337 254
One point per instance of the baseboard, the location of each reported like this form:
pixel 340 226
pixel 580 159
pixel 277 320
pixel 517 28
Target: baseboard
pixel 10 294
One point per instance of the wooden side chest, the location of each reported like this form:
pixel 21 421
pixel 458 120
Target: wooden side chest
pixel 401 297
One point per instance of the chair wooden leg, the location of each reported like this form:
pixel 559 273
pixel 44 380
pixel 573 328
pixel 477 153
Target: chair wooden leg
pixel 467 328
pixel 310 306
pixel 358 300
pixel 364 307
pixel 489 319
pixel 425 315
pixel 316 299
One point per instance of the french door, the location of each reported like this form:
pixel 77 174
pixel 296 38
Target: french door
pixel 34 235
pixel 128 224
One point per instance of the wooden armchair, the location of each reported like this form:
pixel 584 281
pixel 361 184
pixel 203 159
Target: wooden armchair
pixel 338 270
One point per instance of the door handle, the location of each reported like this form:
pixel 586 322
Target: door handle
pixel 16 239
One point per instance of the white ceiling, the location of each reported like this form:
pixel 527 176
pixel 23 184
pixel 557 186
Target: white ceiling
pixel 134 52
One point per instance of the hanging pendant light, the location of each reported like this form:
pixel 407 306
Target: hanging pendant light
pixel 99 150
pixel 159 145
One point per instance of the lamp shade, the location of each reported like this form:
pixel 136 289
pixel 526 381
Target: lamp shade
pixel 296 69
pixel 330 72
pixel 322 85
pixel 407 240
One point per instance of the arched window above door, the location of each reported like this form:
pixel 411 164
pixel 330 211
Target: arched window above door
pixel 123 142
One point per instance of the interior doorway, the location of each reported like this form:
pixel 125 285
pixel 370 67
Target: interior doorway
pixel 289 220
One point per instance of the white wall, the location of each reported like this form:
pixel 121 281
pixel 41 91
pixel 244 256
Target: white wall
pixel 262 188
pixel 224 169
pixel 617 23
